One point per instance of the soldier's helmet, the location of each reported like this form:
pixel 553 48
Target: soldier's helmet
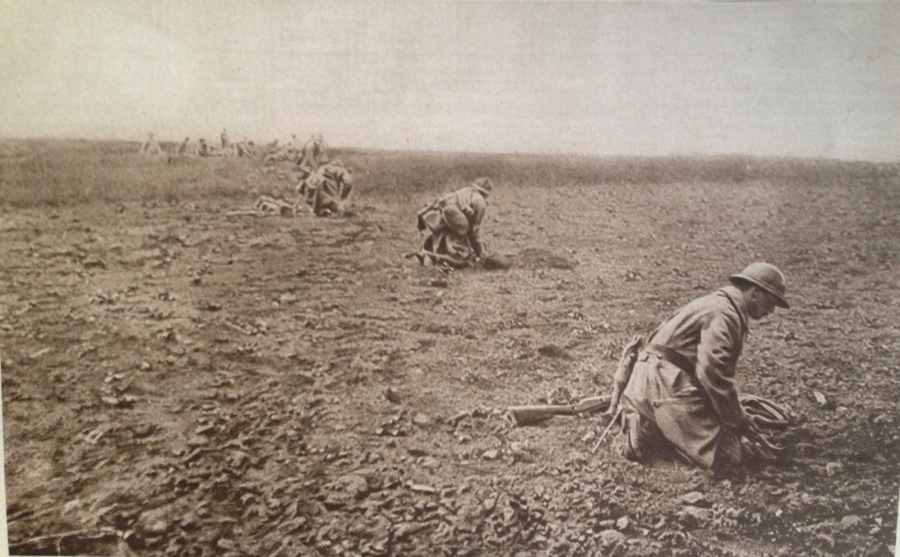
pixel 484 185
pixel 767 277
pixel 317 137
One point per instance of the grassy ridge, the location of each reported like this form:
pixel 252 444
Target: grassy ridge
pixel 60 173
pixel 52 173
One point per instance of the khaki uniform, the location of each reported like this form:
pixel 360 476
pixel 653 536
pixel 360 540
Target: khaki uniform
pixel 185 147
pixel 151 147
pixel 683 383
pixel 327 189
pixel 312 156
pixel 454 227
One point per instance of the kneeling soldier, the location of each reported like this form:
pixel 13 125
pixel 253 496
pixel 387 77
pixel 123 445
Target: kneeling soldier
pixel 682 391
pixel 453 225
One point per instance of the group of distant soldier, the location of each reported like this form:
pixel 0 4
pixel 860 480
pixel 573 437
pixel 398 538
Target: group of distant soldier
pixel 451 224
pixel 324 186
pixel 309 156
pixel 203 148
pixel 675 389
pixel 226 148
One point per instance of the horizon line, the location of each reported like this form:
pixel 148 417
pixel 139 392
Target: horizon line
pixel 585 154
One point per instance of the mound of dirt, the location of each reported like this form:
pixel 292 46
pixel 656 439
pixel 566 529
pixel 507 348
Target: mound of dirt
pixel 498 262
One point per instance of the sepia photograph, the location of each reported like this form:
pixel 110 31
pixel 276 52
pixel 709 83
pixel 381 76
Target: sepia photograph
pixel 389 278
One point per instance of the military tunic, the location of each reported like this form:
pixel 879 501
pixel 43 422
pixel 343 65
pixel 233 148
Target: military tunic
pixel 684 379
pixel 454 225
pixel 332 184
pixel 312 156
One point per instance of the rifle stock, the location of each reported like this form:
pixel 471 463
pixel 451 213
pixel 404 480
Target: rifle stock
pixel 530 415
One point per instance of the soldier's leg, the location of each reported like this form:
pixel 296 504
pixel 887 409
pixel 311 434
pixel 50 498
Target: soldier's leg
pixel 326 205
pixel 457 250
pixel 427 250
pixel 643 440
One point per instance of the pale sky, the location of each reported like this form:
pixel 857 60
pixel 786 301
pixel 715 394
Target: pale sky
pixel 605 78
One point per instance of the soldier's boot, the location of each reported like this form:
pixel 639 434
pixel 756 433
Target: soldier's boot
pixel 636 447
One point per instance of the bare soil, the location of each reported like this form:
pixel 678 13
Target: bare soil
pixel 177 381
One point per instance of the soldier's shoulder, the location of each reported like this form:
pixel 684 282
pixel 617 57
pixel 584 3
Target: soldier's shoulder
pixel 713 302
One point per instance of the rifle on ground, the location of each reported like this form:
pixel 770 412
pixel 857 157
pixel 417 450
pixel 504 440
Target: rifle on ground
pixel 530 415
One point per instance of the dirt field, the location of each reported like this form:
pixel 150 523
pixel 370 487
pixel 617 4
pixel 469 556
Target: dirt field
pixel 178 381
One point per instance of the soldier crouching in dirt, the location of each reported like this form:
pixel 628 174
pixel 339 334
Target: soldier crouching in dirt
pixel 313 155
pixel 681 394
pixel 185 147
pixel 453 225
pixel 204 149
pixel 327 189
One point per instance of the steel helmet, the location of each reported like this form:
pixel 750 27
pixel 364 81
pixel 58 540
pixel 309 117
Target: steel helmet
pixel 484 185
pixel 767 277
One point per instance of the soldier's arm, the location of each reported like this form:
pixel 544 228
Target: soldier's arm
pixel 478 209
pixel 347 184
pixel 717 356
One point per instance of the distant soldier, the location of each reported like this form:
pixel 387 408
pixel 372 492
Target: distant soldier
pixel 314 154
pixel 185 146
pixel 203 150
pixel 226 142
pixel 453 225
pixel 246 148
pixel 327 189
pixel 209 150
pixel 281 151
pixel 151 146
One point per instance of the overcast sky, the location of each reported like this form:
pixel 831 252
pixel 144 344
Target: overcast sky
pixel 610 78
